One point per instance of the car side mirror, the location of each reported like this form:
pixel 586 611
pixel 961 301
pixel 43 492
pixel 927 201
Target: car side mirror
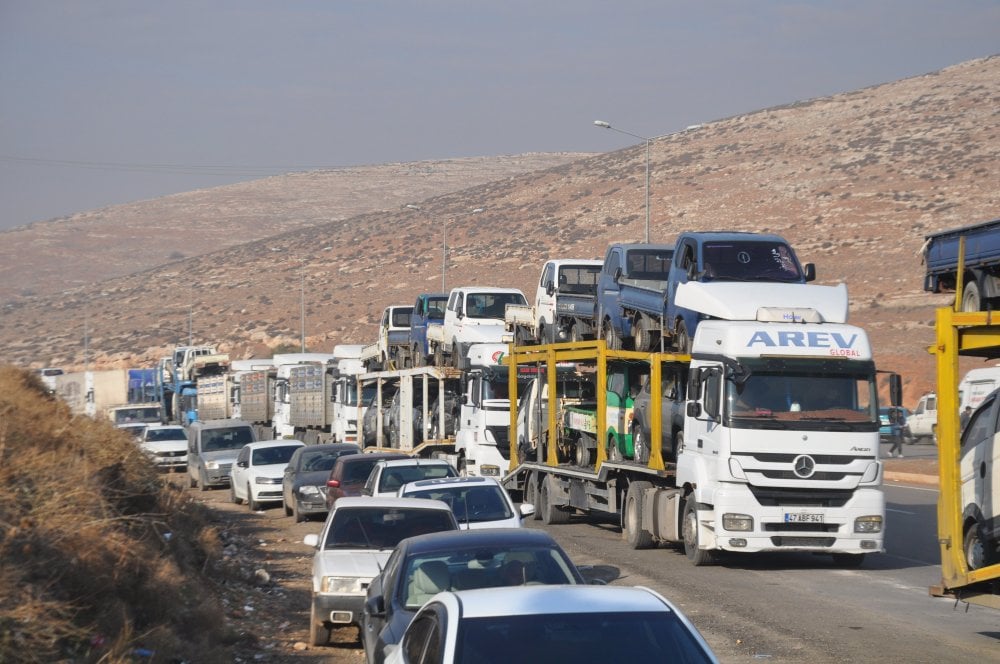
pixel 333 484
pixel 526 509
pixel 375 606
pixel 312 539
pixel 241 464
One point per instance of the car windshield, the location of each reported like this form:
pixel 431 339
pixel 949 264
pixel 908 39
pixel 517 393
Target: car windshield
pixel 323 460
pixel 482 567
pixel 156 435
pixel 267 456
pixel 394 477
pixel 214 440
pixel 581 638
pixel 470 504
pixel 383 527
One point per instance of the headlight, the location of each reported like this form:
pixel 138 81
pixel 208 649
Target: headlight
pixel 737 522
pixel 342 585
pixel 212 465
pixel 868 524
pixel 267 480
pixel 309 491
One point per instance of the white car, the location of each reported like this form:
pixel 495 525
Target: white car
pixel 388 476
pixel 478 502
pixel 551 624
pixel 351 550
pixel 166 445
pixel 258 472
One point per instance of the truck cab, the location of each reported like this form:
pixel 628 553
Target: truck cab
pixel 393 334
pixel 565 300
pixel 474 315
pixel 427 310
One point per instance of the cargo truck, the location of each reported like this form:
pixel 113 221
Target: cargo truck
pixel 779 450
pixel 977 249
pixel 281 411
pixel 391 350
pixel 93 393
pixel 474 315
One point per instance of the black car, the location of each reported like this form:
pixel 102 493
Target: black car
pixel 422 566
pixel 303 486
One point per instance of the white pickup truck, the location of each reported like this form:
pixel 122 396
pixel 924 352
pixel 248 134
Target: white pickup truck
pixel 563 309
pixel 474 315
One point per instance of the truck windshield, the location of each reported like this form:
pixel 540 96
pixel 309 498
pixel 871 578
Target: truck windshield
pixel 803 397
pixel 649 264
pixel 490 305
pixel 579 280
pixel 749 261
pixel 436 307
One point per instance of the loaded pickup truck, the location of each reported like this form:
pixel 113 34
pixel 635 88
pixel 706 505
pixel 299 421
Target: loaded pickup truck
pixel 981 272
pixel 428 309
pixel 563 309
pixel 637 289
pixel 474 315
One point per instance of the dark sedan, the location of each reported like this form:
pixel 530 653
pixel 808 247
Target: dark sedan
pixel 423 566
pixel 350 472
pixel 303 485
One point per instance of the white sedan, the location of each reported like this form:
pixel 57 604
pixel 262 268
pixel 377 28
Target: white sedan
pixel 527 624
pixel 478 502
pixel 256 476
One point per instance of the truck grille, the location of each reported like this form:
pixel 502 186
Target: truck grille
pixel 816 542
pixel 778 497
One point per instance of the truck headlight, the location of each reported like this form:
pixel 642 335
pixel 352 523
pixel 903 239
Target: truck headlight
pixel 342 585
pixel 868 524
pixel 737 522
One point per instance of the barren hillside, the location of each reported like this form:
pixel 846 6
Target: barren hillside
pixel 854 181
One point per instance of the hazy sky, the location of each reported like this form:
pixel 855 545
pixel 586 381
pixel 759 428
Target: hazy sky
pixel 105 102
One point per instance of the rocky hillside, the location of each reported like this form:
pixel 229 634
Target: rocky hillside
pixel 854 181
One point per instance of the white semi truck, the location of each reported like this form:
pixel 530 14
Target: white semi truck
pixel 779 450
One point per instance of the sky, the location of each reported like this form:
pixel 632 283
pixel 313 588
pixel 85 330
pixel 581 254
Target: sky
pixel 114 101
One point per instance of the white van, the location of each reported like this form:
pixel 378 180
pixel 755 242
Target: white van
pixel 922 422
pixel 976 385
pixel 981 485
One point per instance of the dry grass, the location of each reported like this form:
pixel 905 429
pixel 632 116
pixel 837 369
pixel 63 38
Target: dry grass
pixel 99 558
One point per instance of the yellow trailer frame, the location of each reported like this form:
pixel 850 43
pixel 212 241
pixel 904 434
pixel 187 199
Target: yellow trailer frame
pixel 973 334
pixel 588 351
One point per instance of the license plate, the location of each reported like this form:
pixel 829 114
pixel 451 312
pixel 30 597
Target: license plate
pixel 796 517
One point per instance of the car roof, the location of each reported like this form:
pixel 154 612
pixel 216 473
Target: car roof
pixel 165 426
pixel 457 540
pixel 413 461
pixel 377 456
pixel 349 502
pixel 545 599
pixel 449 482
pixel 275 443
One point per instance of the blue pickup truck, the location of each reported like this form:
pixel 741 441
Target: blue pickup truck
pixel 638 282
pixel 429 308
pixel 981 277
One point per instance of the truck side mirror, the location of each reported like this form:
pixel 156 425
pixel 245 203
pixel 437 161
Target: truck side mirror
pixel 895 389
pixel 693 409
pixel 550 288
pixel 618 274
pixel 810 270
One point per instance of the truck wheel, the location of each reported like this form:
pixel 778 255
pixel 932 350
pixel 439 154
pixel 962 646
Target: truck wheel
pixel 611 338
pixel 635 503
pixel 698 557
pixel 682 342
pixel 550 514
pixel 976 552
pixel 581 455
pixel 549 334
pixel 575 333
pixel 848 560
pixel 971 300
pixel 614 454
pixel 319 635
pixel 438 356
pixel 645 338
pixel 531 494
pixel 232 495
pixel 456 358
pixel 640 449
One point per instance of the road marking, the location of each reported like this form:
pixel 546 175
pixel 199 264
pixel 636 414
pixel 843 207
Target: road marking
pixel 900 511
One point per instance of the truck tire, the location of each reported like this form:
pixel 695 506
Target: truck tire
pixel 698 557
pixel 975 549
pixel 971 299
pixel 418 356
pixel 635 503
pixel 576 333
pixel 438 355
pixel 682 342
pixel 644 337
pixel 531 494
pixel 581 454
pixel 548 334
pixel 456 356
pixel 550 514
pixel 611 338
pixel 319 635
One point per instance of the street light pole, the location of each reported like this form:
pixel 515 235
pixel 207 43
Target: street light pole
pixel 607 125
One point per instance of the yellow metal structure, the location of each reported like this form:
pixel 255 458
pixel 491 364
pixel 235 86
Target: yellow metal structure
pixel 958 333
pixel 588 352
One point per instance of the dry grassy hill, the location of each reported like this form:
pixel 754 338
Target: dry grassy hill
pixel 854 181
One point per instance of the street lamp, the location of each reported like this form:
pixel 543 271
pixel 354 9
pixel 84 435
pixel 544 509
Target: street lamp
pixel 444 242
pixel 607 125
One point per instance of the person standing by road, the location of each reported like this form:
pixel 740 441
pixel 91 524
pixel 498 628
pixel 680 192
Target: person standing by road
pixel 896 426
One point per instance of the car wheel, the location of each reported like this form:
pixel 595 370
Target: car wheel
pixel 232 495
pixel 640 450
pixel 632 530
pixel 319 635
pixel 251 503
pixel 202 481
pixel 284 505
pixel 614 454
pixel 971 301
pixel 438 355
pixel 644 336
pixel 551 514
pixel 575 334
pixel 418 356
pixel 296 514
pixel 698 557
pixel 192 482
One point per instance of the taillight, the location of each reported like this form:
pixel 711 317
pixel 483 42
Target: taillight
pixel 333 484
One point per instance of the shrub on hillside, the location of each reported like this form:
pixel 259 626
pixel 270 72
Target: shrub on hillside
pixel 99 558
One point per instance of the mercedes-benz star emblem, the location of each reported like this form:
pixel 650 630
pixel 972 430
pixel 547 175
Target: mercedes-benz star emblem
pixel 804 466
pixel 743 257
